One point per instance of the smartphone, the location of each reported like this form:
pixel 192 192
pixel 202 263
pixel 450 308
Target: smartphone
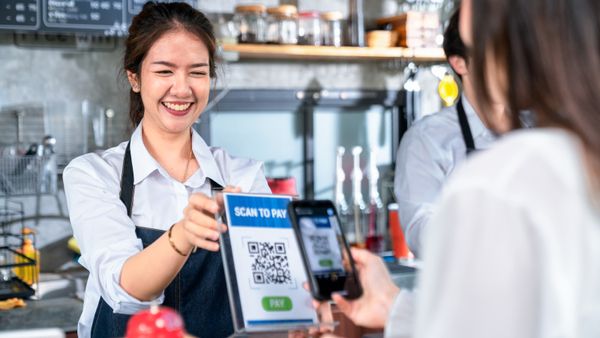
pixel 329 264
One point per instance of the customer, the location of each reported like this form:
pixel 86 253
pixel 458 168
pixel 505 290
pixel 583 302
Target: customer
pixel 138 209
pixel 435 146
pixel 514 248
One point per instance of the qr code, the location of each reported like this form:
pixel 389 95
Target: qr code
pixel 320 245
pixel 269 263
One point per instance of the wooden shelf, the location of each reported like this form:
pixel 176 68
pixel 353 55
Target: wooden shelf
pixel 293 52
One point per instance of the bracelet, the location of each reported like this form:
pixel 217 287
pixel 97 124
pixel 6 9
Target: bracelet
pixel 173 243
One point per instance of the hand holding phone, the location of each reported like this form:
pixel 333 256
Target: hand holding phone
pixel 373 308
pixel 326 253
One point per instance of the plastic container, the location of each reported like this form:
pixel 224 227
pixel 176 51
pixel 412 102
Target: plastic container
pixel 282 25
pixel 250 21
pixel 401 250
pixel 309 28
pixel 28 274
pixel 332 26
pixel 282 185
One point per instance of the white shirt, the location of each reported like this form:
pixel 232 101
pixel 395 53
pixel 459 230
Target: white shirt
pixel 429 152
pixel 514 248
pixel 104 232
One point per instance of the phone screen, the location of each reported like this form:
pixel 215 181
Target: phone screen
pixel 325 250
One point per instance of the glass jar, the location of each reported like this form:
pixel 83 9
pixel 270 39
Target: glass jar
pixel 282 25
pixel 332 28
pixel 309 28
pixel 250 22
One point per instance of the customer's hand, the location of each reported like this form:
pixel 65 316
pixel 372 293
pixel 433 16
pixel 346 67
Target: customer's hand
pixel 199 226
pixel 379 292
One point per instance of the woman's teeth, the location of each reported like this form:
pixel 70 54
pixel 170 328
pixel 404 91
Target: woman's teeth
pixel 177 107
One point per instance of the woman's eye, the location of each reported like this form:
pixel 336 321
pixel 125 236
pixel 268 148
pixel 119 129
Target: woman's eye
pixel 198 73
pixel 163 72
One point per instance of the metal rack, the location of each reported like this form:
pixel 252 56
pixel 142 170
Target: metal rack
pixel 18 272
pixel 29 175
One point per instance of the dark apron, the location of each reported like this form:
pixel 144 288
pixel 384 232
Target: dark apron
pixel 464 127
pixel 198 292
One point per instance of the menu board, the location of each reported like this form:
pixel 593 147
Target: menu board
pixel 104 17
pixel 20 14
pixel 83 14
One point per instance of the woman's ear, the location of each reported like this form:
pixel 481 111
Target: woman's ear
pixel 133 81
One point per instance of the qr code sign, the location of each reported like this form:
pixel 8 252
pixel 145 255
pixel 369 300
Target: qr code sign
pixel 320 245
pixel 269 263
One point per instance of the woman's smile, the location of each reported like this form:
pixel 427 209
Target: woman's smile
pixel 177 108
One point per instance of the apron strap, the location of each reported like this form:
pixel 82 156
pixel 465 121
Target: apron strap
pixel 127 187
pixel 464 127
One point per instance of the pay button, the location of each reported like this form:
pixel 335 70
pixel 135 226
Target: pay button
pixel 277 303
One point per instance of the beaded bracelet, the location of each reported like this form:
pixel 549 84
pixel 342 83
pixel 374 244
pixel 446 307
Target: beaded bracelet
pixel 173 243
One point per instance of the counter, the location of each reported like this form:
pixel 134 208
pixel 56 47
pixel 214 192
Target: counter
pixel 62 313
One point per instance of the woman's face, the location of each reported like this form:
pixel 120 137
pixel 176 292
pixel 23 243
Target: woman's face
pixel 175 82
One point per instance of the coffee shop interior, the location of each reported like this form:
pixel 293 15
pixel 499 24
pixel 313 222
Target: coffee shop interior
pixel 320 91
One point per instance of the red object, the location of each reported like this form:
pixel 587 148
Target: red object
pixel 309 14
pixel 398 241
pixel 156 322
pixel 282 185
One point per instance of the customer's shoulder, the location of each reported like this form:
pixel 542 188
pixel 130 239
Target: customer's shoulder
pixel 547 146
pixel 524 159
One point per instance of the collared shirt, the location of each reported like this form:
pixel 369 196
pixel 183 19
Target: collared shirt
pixel 429 152
pixel 514 247
pixel 104 232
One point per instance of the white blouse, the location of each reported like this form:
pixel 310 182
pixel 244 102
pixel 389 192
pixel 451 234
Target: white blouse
pixel 514 248
pixel 104 232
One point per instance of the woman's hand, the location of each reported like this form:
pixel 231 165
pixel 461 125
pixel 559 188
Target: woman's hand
pixel 379 292
pixel 200 228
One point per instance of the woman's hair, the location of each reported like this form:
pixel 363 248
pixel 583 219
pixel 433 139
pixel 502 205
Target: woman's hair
pixel 549 51
pixel 151 24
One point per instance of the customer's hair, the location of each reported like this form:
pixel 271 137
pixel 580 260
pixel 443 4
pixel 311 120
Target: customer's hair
pixel 549 52
pixel 151 24
pixel 453 44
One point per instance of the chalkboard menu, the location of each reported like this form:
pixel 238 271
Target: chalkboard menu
pixel 20 14
pixel 106 17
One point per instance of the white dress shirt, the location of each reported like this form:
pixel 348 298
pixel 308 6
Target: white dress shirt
pixel 429 152
pixel 104 232
pixel 514 248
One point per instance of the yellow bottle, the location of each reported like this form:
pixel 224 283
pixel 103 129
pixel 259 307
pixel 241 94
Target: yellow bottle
pixel 30 273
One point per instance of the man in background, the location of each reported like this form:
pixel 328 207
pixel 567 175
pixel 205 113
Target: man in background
pixel 435 145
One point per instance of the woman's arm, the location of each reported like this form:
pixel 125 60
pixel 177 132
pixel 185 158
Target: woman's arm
pixel 146 274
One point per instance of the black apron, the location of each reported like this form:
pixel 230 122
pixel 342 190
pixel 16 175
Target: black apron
pixel 198 292
pixel 464 127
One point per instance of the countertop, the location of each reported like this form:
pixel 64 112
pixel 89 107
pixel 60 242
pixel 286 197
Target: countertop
pixel 62 313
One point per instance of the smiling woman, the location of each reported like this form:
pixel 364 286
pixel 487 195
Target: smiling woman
pixel 173 83
pixel 139 251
